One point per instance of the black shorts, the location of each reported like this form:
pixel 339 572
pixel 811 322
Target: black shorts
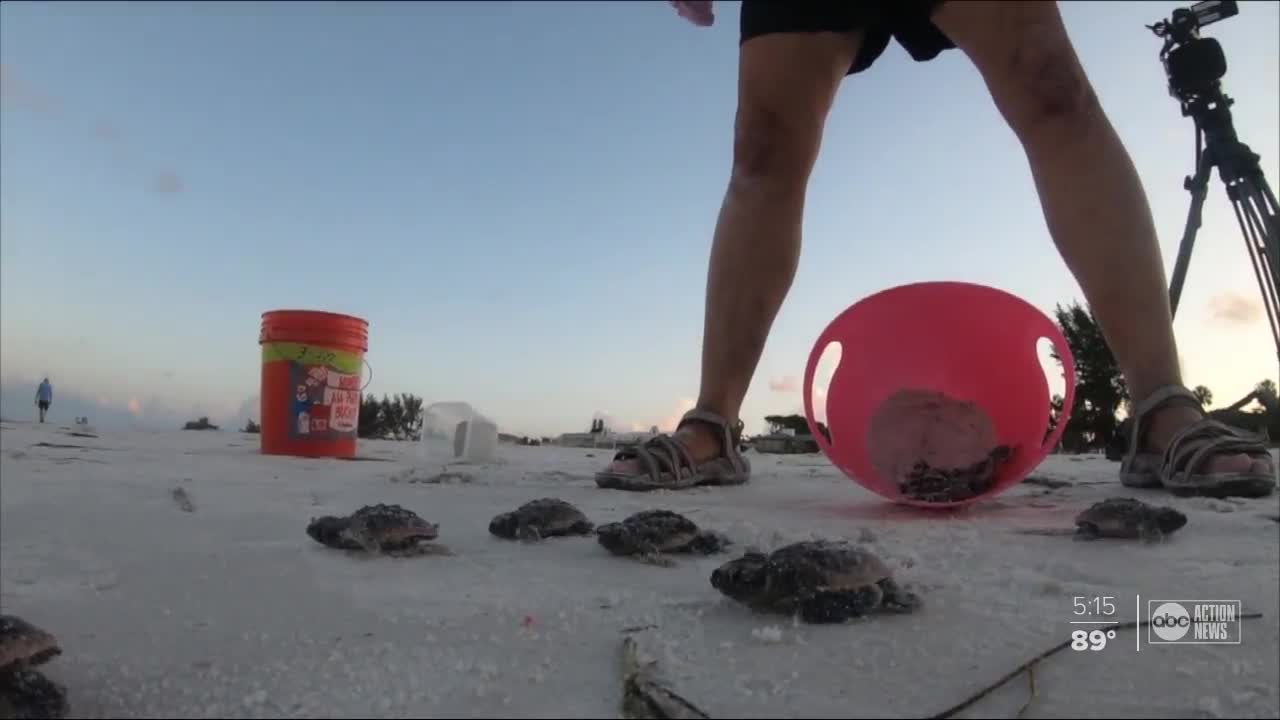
pixel 907 21
pixel 44 404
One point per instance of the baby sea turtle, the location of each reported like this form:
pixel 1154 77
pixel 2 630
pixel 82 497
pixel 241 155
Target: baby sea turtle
pixel 934 447
pixel 542 518
pixel 24 691
pixel 388 529
pixel 1123 518
pixel 650 534
pixel 1128 518
pixel 823 581
pixel 931 484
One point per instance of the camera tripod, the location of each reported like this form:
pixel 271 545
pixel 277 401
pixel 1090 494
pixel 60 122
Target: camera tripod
pixel 1195 66
pixel 1255 206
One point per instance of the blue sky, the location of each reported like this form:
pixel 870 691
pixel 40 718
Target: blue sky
pixel 519 197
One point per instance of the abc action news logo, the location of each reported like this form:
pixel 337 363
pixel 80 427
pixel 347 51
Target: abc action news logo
pixel 1194 622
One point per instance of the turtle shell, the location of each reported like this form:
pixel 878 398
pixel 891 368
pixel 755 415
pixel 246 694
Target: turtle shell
pixel 23 644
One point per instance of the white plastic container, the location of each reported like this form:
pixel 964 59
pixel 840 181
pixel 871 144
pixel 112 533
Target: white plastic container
pixel 454 432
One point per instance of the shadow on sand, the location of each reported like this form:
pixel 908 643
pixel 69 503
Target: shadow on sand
pixel 1014 510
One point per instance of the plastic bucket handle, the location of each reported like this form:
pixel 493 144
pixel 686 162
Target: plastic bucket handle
pixel 1049 329
pixel 810 370
pixel 370 380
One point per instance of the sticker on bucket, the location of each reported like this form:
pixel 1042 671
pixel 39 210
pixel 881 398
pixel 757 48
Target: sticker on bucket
pixel 324 387
pixel 326 402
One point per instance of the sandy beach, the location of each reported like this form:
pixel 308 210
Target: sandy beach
pixel 230 610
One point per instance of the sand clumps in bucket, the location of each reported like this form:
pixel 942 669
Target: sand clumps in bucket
pixel 935 448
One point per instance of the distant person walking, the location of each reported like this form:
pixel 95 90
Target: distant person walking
pixel 44 397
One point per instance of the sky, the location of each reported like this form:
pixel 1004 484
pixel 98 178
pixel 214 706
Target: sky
pixel 520 196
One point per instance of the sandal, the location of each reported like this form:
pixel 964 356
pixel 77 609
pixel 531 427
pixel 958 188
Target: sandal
pixel 665 462
pixel 1176 468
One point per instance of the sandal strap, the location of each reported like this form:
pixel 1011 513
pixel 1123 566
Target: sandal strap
pixel 678 455
pixel 666 453
pixel 1196 443
pixel 1160 398
pixel 731 434
pixel 1165 395
pixel 662 453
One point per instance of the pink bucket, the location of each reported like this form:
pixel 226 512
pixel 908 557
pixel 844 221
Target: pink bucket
pixel 970 342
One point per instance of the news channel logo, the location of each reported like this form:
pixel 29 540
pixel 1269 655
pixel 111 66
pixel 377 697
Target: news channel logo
pixel 1193 622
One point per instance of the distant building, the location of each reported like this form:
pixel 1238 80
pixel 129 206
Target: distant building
pixel 580 440
pixel 601 436
pixel 785 444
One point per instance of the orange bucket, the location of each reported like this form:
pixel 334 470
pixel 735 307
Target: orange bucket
pixel 312 368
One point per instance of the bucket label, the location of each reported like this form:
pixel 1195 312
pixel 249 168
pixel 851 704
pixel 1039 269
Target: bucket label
pixel 326 403
pixel 324 388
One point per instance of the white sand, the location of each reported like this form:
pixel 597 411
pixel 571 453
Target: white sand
pixel 231 610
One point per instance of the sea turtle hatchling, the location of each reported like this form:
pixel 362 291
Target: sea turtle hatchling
pixel 1128 518
pixel 24 691
pixel 388 529
pixel 541 518
pixel 822 581
pixel 1123 518
pixel 650 535
pixel 931 484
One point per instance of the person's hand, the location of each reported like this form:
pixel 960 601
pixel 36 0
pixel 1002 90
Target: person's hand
pixel 698 12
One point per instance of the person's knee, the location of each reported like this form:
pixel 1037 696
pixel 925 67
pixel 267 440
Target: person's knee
pixel 773 147
pixel 1044 91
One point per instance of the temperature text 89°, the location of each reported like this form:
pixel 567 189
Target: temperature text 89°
pixel 1091 639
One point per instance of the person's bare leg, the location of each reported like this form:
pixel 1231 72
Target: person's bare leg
pixel 1093 200
pixel 786 85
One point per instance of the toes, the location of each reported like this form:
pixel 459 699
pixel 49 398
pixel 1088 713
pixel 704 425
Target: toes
pixel 623 467
pixel 1238 464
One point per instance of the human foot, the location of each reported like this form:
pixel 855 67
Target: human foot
pixel 1175 445
pixel 702 442
pixel 1164 426
pixel 702 451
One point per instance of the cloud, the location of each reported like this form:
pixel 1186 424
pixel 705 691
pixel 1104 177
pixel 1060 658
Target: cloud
pixel 1232 308
pixel 108 409
pixel 785 384
pixel 18 94
pixel 102 411
pixel 15 94
pixel 106 132
pixel 668 424
pixel 167 183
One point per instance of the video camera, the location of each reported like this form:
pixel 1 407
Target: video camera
pixel 1195 65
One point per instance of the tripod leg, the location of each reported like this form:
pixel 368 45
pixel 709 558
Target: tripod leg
pixel 1259 218
pixel 1199 187
pixel 1271 220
